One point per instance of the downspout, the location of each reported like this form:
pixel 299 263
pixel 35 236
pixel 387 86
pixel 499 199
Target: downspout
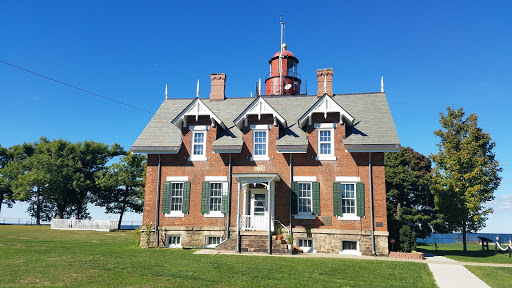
pixel 229 198
pixel 238 219
pixel 291 179
pixel 371 200
pixel 157 203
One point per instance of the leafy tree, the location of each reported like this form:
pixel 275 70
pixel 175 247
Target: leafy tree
pixel 61 176
pixel 466 173
pixel 122 186
pixel 10 170
pixel 409 197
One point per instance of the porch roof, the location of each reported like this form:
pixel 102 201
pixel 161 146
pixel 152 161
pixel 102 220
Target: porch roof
pixel 256 177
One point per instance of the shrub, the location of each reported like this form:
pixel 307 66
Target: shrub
pixel 407 239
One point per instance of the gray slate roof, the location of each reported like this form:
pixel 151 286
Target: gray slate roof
pixel 373 122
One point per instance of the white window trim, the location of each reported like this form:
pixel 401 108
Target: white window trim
pixel 212 245
pixel 174 245
pixel 325 127
pixel 305 215
pixel 260 128
pixel 176 214
pixel 346 216
pixel 217 214
pixel 197 157
pixel 350 179
pixel 177 178
pixel 216 178
pixel 307 249
pixel 304 178
pixel 350 252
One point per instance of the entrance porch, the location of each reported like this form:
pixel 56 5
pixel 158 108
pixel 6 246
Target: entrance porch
pixel 256 198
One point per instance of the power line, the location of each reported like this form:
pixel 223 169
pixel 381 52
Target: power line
pixel 78 88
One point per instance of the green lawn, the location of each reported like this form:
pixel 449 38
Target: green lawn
pixel 474 253
pixel 38 256
pixel 496 277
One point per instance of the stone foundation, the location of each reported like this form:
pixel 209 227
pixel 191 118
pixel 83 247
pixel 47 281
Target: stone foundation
pixel 329 241
pixel 324 240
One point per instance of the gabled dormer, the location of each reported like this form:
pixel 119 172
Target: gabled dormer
pixel 259 107
pixel 195 109
pixel 323 106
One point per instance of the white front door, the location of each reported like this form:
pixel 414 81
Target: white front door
pixel 259 209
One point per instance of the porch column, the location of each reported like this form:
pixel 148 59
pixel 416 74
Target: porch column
pixel 269 218
pixel 238 219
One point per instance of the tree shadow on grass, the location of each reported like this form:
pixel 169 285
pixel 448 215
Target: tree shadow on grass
pixel 443 251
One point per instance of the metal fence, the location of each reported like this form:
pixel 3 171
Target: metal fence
pixel 457 237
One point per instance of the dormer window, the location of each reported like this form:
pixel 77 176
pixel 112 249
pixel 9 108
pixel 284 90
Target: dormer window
pixel 260 142
pixel 198 145
pixel 325 135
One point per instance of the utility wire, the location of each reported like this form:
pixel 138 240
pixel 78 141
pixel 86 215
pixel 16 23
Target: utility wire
pixel 78 88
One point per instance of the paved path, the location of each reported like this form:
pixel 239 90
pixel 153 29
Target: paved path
pixel 450 273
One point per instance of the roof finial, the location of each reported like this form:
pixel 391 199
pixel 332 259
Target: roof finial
pixel 325 84
pixel 382 84
pixel 259 87
pixel 165 91
pixel 197 88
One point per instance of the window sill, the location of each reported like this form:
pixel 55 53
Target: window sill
pixel 305 216
pixel 197 158
pixel 349 217
pixel 326 158
pixel 175 215
pixel 216 214
pixel 350 252
pixel 308 250
pixel 260 158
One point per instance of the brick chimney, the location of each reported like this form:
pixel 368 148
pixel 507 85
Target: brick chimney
pixel 324 75
pixel 218 92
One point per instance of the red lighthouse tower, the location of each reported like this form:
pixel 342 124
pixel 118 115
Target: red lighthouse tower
pixel 283 78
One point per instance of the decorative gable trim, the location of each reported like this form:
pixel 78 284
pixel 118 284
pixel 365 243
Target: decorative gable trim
pixel 259 107
pixel 325 105
pixel 196 108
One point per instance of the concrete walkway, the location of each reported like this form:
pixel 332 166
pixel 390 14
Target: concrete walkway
pixel 450 273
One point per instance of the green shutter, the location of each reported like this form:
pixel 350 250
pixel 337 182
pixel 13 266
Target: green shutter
pixel 204 198
pixel 224 203
pixel 295 202
pixel 360 199
pixel 316 198
pixel 186 198
pixel 336 199
pixel 166 197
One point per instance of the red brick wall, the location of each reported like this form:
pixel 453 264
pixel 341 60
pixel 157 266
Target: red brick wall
pixel 347 164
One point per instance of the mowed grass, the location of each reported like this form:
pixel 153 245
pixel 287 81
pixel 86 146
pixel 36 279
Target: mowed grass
pixel 38 256
pixel 474 253
pixel 496 277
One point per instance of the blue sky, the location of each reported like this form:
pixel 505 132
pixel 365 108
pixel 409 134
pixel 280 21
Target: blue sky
pixel 432 54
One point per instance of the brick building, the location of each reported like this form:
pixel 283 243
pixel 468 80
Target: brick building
pixel 232 170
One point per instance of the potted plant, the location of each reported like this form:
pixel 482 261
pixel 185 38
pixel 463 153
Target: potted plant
pixel 279 232
pixel 290 241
